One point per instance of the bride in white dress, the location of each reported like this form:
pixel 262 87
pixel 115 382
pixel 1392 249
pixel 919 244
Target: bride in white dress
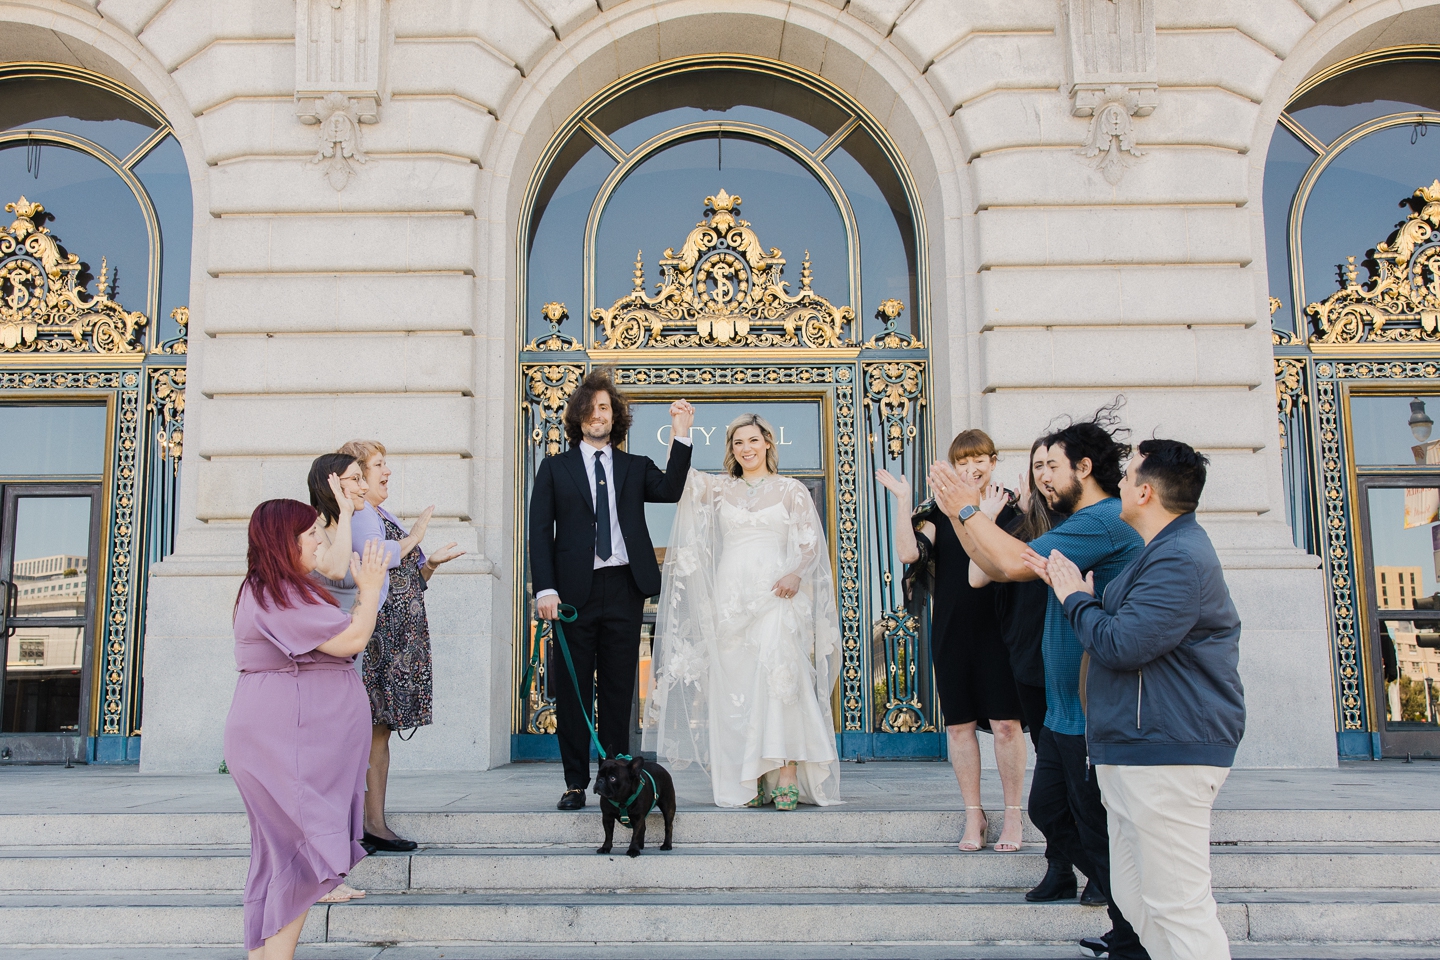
pixel 747 640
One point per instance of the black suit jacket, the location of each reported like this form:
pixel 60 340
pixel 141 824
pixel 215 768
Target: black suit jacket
pixel 562 519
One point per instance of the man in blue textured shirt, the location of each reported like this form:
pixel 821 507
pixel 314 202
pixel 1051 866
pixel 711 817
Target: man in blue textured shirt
pixel 1081 478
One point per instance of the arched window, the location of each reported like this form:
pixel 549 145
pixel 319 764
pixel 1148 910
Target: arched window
pixel 629 192
pixel 1350 148
pixel 105 165
pixel 628 174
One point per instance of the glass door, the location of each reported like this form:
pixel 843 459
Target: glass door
pixel 1400 521
pixel 49 547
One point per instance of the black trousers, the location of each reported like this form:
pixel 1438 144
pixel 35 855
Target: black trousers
pixel 1049 802
pixel 604 643
pixel 1087 843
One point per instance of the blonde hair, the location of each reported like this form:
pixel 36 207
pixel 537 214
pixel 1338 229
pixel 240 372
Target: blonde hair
pixel 362 451
pixel 772 452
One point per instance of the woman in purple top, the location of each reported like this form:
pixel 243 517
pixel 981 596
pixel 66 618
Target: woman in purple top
pixel 297 737
pixel 397 662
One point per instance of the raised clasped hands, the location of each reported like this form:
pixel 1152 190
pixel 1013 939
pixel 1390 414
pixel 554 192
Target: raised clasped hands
pixel 368 568
pixel 682 418
pixel 1061 573
pixel 952 491
pixel 787 586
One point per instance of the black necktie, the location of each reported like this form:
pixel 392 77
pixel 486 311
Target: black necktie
pixel 602 512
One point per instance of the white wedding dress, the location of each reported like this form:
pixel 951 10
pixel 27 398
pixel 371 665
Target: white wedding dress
pixel 743 679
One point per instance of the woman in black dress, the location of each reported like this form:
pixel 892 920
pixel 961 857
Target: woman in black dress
pixel 972 667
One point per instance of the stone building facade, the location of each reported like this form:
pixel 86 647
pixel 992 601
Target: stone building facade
pixel 1088 181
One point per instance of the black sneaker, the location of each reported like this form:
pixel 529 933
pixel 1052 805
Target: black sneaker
pixel 1092 897
pixel 1095 946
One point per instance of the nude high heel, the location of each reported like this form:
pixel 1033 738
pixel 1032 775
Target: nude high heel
pixel 969 846
pixel 1006 846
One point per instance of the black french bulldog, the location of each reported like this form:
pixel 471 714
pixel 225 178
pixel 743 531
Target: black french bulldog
pixel 627 794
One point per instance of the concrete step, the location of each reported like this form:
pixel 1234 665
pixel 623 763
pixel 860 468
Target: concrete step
pixel 814 867
pixel 769 916
pixel 703 825
pixel 452 950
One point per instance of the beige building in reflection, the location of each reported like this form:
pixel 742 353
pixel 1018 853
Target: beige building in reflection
pixel 48 587
pixel 1396 589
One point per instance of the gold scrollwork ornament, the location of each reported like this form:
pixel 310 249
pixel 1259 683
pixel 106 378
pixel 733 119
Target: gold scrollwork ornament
pixel 1400 303
pixel 43 306
pixel 723 289
pixel 548 387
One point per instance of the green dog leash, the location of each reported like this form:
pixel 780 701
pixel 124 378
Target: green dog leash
pixel 568 614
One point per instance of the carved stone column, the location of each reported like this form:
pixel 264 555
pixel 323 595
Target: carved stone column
pixel 1110 78
pixel 340 48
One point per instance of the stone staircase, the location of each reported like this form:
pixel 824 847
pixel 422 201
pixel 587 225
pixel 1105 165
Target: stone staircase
pixel 885 881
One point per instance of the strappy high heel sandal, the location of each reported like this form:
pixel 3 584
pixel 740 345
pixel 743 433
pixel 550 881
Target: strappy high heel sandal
pixel 787 798
pixel 1007 846
pixel 970 846
pixel 342 893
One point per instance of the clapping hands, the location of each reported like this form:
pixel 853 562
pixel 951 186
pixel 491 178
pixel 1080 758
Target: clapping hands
pixel 368 568
pixel 1061 573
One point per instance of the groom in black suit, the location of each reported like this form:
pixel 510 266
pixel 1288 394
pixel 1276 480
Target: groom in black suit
pixel 590 547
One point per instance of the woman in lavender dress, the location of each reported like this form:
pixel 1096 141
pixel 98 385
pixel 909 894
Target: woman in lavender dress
pixel 397 662
pixel 297 737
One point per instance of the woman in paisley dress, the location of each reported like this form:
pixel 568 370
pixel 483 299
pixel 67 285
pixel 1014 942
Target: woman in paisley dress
pixel 747 637
pixel 397 668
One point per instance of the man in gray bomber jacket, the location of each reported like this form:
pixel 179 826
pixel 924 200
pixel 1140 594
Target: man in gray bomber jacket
pixel 1164 706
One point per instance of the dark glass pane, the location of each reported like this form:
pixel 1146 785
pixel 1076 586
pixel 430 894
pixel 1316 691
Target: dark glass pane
pixel 1404 546
pixel 1357 202
pixel 1397 86
pixel 166 179
pixel 74 107
pixel 557 233
pixel 887 232
pixel 53 440
pixel 797 427
pixel 718 95
pixel 661 201
pixel 94 215
pixel 1285 166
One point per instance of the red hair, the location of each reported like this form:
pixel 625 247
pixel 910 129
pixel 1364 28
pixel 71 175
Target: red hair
pixel 273 572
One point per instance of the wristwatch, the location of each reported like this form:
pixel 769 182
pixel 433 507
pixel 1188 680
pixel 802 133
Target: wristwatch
pixel 967 511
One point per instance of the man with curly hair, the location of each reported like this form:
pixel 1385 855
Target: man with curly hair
pixel 590 548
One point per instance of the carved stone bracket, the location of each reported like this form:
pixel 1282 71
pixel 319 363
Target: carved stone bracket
pixel 44 308
pixel 340 48
pixel 1111 78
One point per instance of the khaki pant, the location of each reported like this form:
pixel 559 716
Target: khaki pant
pixel 1160 856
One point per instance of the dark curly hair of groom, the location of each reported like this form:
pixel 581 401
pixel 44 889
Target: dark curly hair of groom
pixel 578 409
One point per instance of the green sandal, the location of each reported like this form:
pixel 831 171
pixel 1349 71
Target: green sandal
pixel 787 798
pixel 760 799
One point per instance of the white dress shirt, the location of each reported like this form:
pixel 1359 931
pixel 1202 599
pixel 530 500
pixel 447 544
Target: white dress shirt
pixel 618 555
pixel 606 456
